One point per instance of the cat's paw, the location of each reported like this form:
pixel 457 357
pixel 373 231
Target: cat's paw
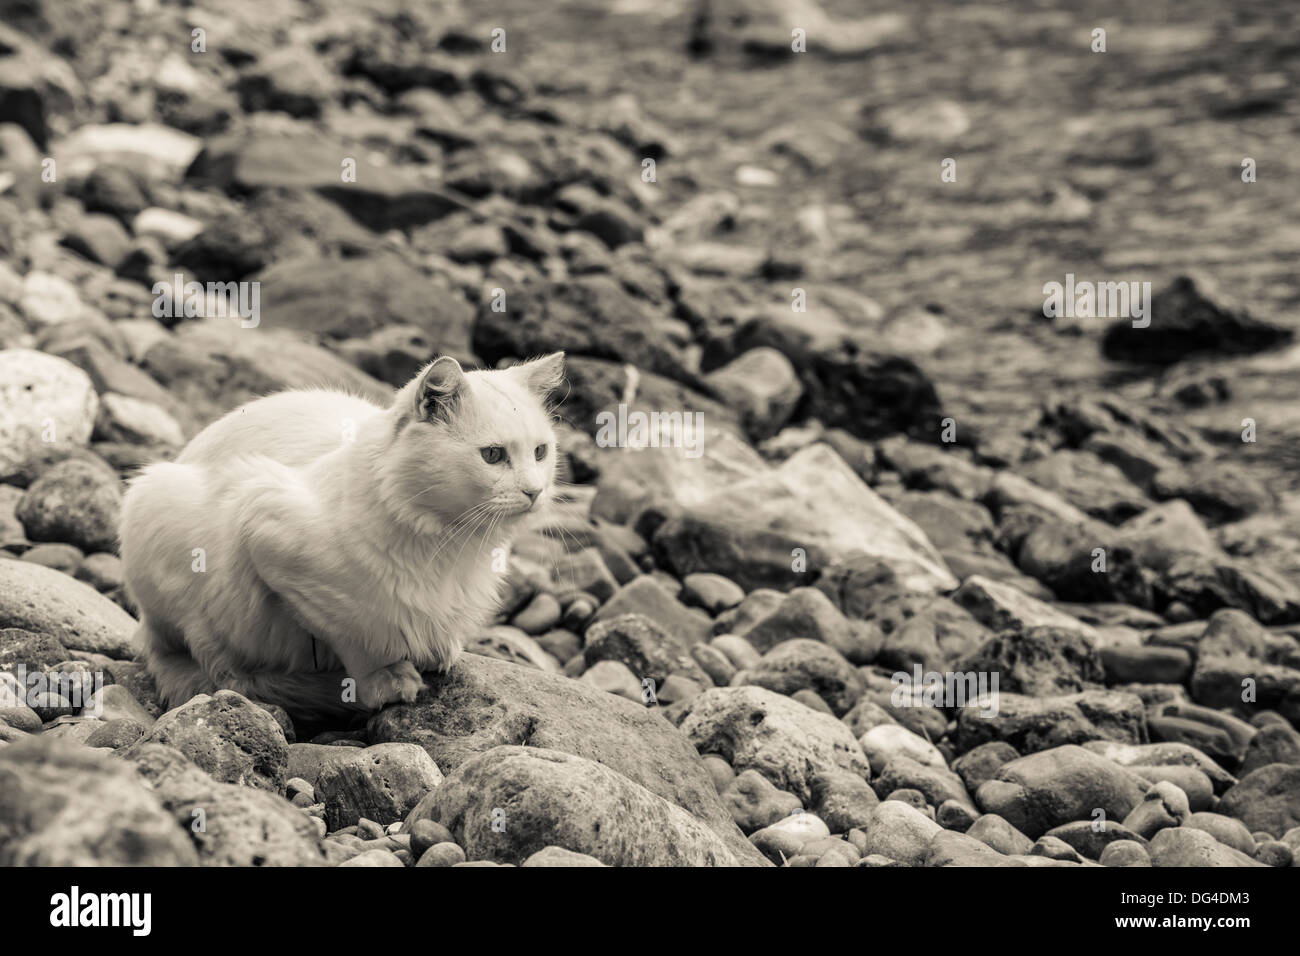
pixel 399 681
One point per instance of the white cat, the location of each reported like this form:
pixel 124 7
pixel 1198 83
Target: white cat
pixel 312 536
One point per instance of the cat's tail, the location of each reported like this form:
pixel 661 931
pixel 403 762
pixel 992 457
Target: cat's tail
pixel 304 694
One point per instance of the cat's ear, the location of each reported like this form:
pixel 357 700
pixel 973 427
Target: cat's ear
pixel 438 388
pixel 543 375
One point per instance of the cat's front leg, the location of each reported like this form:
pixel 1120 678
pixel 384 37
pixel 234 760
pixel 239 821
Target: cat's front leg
pixel 393 683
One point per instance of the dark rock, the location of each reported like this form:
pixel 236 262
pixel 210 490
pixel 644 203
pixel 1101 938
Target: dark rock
pixel 1186 321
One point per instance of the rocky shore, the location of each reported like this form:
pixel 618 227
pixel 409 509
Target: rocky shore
pixel 919 589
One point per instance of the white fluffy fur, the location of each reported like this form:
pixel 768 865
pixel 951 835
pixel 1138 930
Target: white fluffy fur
pixel 341 539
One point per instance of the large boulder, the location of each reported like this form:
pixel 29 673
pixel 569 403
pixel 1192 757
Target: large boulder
pixel 64 805
pixel 483 703
pixel 510 802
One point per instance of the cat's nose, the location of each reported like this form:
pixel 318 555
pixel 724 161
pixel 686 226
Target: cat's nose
pixel 532 494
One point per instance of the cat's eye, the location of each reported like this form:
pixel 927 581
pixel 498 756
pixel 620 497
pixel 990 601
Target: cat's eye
pixel 493 454
pixel 539 452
